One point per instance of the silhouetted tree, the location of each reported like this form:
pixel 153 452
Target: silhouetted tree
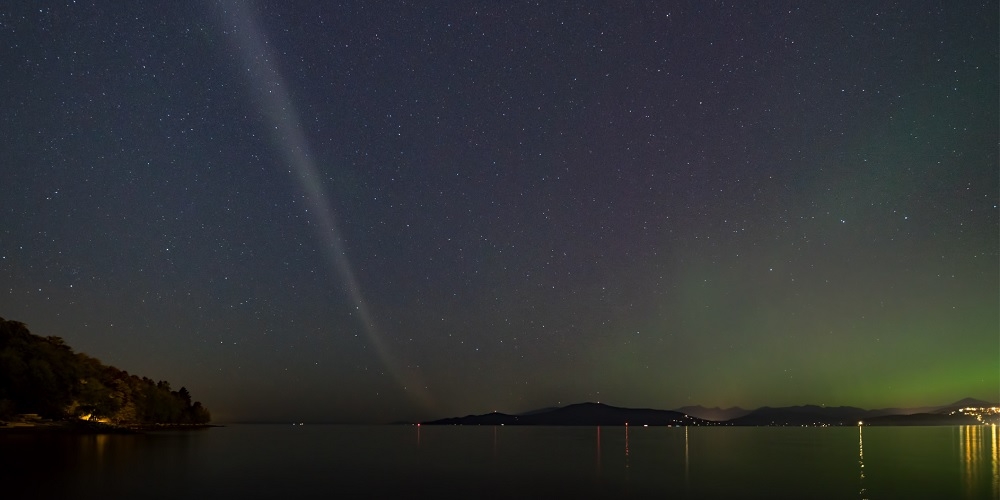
pixel 199 414
pixel 43 375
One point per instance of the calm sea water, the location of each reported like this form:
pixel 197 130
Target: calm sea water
pixel 246 461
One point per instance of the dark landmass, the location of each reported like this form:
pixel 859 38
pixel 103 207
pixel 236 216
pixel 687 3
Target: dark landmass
pixel 714 414
pixel 540 410
pixel 963 403
pixel 849 415
pixel 494 418
pixel 923 419
pixel 956 413
pixel 44 384
pixel 802 415
pixel 579 414
pixel 902 411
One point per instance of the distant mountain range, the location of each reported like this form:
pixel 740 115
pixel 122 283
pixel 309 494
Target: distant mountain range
pixel 579 414
pixel 849 415
pixel 714 414
pixel 602 414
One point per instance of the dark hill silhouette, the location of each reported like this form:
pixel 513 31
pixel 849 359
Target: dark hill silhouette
pixel 579 414
pixel 495 418
pixel 901 411
pixel 715 414
pixel 922 419
pixel 43 376
pixel 540 410
pixel 803 415
pixel 602 414
pixel 849 415
pixel 963 403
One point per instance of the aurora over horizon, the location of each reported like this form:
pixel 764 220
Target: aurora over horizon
pixel 356 212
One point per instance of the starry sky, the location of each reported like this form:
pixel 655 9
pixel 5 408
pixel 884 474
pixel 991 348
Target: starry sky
pixel 374 211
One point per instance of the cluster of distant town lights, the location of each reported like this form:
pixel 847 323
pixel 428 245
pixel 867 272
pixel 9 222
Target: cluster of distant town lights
pixel 979 413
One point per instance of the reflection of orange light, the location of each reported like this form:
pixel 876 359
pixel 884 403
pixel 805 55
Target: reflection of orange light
pixel 861 463
pixel 598 448
pixel 995 459
pixel 626 445
pixel 971 448
pixel 687 463
pixel 101 442
pixel 971 445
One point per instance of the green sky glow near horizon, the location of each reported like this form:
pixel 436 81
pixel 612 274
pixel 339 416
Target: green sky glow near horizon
pixel 535 204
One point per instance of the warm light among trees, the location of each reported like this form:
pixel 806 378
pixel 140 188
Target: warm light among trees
pixel 43 375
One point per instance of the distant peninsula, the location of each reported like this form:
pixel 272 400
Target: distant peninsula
pixel 579 414
pixel 43 383
pixel 963 412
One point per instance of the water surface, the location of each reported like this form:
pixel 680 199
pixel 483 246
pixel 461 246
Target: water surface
pixel 246 461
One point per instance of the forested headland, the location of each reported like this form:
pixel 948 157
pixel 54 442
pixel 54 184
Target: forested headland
pixel 43 376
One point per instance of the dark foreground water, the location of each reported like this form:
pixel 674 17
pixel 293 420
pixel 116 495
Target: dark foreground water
pixel 507 462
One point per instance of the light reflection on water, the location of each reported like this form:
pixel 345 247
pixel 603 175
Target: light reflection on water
pixel 598 450
pixel 995 459
pixel 687 463
pixel 460 462
pixel 980 460
pixel 862 493
pixel 626 446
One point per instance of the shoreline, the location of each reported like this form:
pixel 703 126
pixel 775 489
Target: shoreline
pixel 70 427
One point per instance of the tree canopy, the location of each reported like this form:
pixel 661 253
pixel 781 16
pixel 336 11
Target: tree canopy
pixel 43 375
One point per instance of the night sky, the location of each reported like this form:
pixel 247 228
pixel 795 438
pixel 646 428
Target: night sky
pixel 372 211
